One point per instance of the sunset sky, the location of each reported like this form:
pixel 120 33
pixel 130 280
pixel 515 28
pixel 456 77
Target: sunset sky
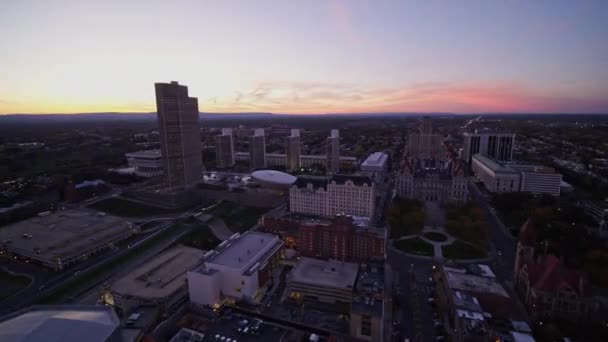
pixel 306 56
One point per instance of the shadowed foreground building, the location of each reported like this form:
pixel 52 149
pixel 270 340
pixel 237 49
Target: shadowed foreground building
pixel 160 282
pixel 66 323
pixel 180 141
pixel 549 288
pixel 239 269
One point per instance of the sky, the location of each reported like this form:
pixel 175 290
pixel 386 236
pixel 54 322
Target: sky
pixel 306 56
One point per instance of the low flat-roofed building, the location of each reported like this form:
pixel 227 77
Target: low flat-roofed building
pixel 375 162
pixel 371 304
pixel 539 179
pixel 63 238
pixel 239 269
pixel 495 177
pixel 514 177
pixel 160 282
pixel 323 281
pixel 66 323
pixel 146 163
pixel 470 297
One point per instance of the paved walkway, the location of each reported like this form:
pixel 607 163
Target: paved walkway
pixel 219 229
pixel 436 244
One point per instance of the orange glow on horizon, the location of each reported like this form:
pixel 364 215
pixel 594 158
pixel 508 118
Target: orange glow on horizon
pixel 319 98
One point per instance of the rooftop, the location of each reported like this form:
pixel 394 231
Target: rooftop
pixel 375 159
pixel 330 273
pixel 161 276
pixel 63 234
pixel 187 335
pixel 322 181
pixel 460 280
pixel 65 323
pixel 243 252
pixel 275 177
pixel 370 289
pixel 149 154
pixel 492 164
pixel 521 337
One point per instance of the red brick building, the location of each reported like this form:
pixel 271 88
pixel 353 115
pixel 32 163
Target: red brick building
pixel 549 288
pixel 342 238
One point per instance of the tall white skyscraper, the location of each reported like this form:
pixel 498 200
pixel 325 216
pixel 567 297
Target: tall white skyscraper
pixel 180 141
pixel 257 150
pixel 224 148
pixel 293 150
pixel 333 152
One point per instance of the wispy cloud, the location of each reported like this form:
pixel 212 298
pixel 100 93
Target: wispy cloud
pixel 296 97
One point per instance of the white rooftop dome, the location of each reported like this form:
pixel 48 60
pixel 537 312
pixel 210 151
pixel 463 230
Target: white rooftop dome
pixel 273 177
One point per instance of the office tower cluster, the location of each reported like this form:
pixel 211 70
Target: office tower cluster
pixel 180 141
pixel 293 159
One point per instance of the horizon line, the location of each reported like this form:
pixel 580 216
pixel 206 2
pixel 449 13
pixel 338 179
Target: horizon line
pixel 317 114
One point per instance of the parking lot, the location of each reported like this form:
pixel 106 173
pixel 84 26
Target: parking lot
pixel 234 328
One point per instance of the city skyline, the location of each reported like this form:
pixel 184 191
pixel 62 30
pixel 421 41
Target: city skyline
pixel 306 58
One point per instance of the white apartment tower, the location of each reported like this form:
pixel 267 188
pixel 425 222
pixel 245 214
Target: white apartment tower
pixel 333 151
pixel 257 150
pixel 224 148
pixel 293 149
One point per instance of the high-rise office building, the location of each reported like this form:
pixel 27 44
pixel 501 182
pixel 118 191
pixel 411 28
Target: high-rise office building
pixel 425 145
pixel 293 150
pixel 224 148
pixel 180 141
pixel 333 151
pixel 498 146
pixel 257 150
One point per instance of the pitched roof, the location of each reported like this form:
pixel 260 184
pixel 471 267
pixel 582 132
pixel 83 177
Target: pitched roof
pixel 551 275
pixel 528 233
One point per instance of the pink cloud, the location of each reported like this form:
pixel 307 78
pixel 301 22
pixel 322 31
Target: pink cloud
pixel 341 17
pixel 294 97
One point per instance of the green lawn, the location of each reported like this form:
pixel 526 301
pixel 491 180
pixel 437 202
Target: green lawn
pixel 122 207
pixel 238 218
pixel 462 250
pixel 434 236
pixel 201 238
pixel 415 246
pixel 11 284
